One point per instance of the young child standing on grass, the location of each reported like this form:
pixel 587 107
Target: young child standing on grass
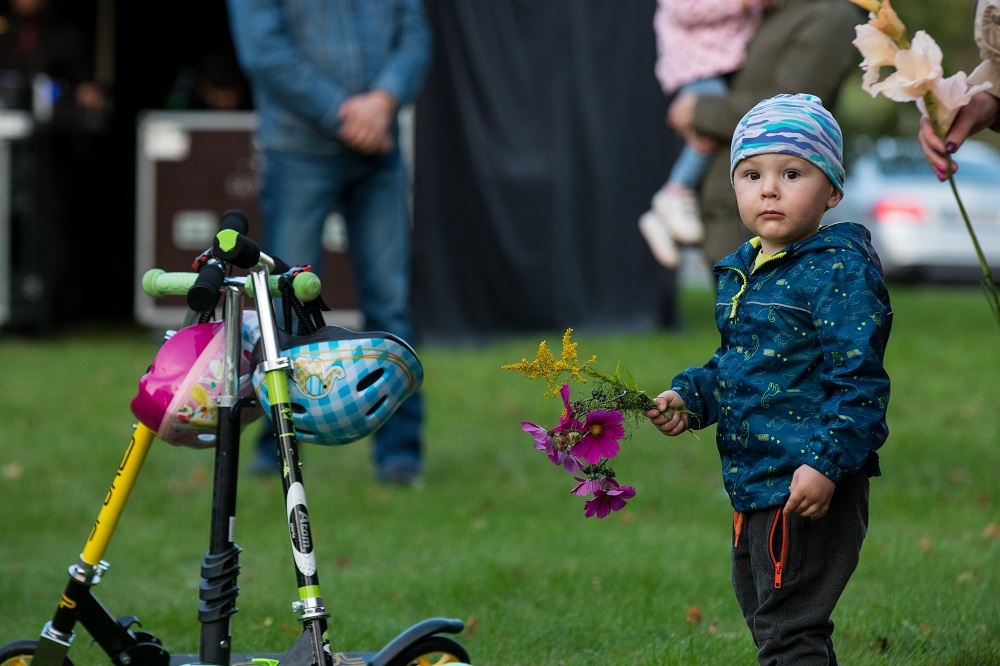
pixel 797 387
pixel 698 43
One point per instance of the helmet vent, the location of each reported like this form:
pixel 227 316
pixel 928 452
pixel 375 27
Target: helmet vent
pixel 375 406
pixel 370 378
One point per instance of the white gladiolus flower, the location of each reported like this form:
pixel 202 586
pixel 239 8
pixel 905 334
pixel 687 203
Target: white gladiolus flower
pixel 878 51
pixel 950 95
pixel 918 69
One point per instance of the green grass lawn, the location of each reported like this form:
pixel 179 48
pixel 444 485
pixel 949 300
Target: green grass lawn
pixel 493 536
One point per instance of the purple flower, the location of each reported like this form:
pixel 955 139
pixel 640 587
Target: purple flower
pixel 610 498
pixel 588 487
pixel 567 413
pixel 601 433
pixel 545 442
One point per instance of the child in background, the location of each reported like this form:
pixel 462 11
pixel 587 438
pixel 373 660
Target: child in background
pixel 698 43
pixel 797 387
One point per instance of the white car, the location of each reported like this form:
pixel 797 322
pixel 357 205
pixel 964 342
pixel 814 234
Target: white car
pixel 915 221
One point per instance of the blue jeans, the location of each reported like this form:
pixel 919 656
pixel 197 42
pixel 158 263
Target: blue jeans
pixel 690 166
pixel 298 191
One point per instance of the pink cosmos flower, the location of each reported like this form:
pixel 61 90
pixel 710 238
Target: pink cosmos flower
pixel 601 433
pixel 588 486
pixel 567 413
pixel 608 496
pixel 544 442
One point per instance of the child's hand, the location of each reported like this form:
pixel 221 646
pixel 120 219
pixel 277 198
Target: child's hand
pixel 669 418
pixel 811 493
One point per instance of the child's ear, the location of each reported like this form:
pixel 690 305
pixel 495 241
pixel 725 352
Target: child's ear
pixel 836 196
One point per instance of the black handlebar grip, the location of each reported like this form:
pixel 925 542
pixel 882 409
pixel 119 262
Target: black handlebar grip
pixel 280 266
pixel 236 248
pixel 203 295
pixel 234 219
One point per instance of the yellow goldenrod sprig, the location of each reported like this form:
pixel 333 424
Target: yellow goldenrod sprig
pixel 552 370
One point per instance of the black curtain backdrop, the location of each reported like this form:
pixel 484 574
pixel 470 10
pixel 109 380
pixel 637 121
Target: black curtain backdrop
pixel 539 140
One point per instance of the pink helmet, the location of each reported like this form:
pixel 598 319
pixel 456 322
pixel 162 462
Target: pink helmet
pixel 178 395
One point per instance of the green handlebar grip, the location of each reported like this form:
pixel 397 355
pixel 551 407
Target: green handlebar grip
pixel 306 285
pixel 158 283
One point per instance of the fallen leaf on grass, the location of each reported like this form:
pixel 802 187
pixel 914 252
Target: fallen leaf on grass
pixel 12 471
pixel 965 577
pixel 693 615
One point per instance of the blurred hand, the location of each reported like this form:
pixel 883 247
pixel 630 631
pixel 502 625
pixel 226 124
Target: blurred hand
pixel 811 493
pixel 667 418
pixel 366 121
pixel 981 112
pixel 680 117
pixel 89 96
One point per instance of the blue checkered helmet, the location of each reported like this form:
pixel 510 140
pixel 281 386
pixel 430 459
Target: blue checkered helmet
pixel 343 385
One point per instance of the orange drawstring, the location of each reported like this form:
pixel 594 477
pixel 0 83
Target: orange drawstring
pixel 737 527
pixel 779 561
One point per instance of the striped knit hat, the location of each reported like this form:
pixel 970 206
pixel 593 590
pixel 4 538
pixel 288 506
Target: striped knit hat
pixel 792 125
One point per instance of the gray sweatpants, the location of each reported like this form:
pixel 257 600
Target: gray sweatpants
pixel 788 574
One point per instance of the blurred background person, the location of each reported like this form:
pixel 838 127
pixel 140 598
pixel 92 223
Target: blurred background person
pixel 214 83
pixel 328 80
pixel 802 46
pixel 47 74
pixel 699 44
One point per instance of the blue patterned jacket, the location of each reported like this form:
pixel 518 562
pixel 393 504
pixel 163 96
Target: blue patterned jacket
pixel 798 377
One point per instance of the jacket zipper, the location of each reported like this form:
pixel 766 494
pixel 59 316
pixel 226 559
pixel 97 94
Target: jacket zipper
pixel 778 560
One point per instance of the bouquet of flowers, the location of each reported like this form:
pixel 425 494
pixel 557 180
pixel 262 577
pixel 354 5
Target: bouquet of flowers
pixel 590 429
pixel 917 76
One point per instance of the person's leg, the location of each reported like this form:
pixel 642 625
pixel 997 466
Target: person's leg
pixel 743 571
pixel 376 211
pixel 676 203
pixel 791 622
pixel 690 165
pixel 297 192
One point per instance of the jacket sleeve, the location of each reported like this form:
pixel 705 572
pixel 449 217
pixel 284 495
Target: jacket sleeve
pixel 268 54
pixel 853 318
pixel 698 388
pixel 270 57
pixel 403 73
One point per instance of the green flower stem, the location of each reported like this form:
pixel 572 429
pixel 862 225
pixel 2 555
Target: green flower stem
pixel 989 285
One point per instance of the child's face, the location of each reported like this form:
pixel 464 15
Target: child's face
pixel 782 198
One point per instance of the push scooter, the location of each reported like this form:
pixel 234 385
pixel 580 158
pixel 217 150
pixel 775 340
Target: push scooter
pixel 121 639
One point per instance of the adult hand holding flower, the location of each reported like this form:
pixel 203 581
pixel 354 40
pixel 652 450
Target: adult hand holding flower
pixel 918 76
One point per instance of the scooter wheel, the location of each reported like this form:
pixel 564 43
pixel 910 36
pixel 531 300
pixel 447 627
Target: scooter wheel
pixel 431 651
pixel 20 653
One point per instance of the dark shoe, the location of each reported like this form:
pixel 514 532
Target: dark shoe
pixel 398 472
